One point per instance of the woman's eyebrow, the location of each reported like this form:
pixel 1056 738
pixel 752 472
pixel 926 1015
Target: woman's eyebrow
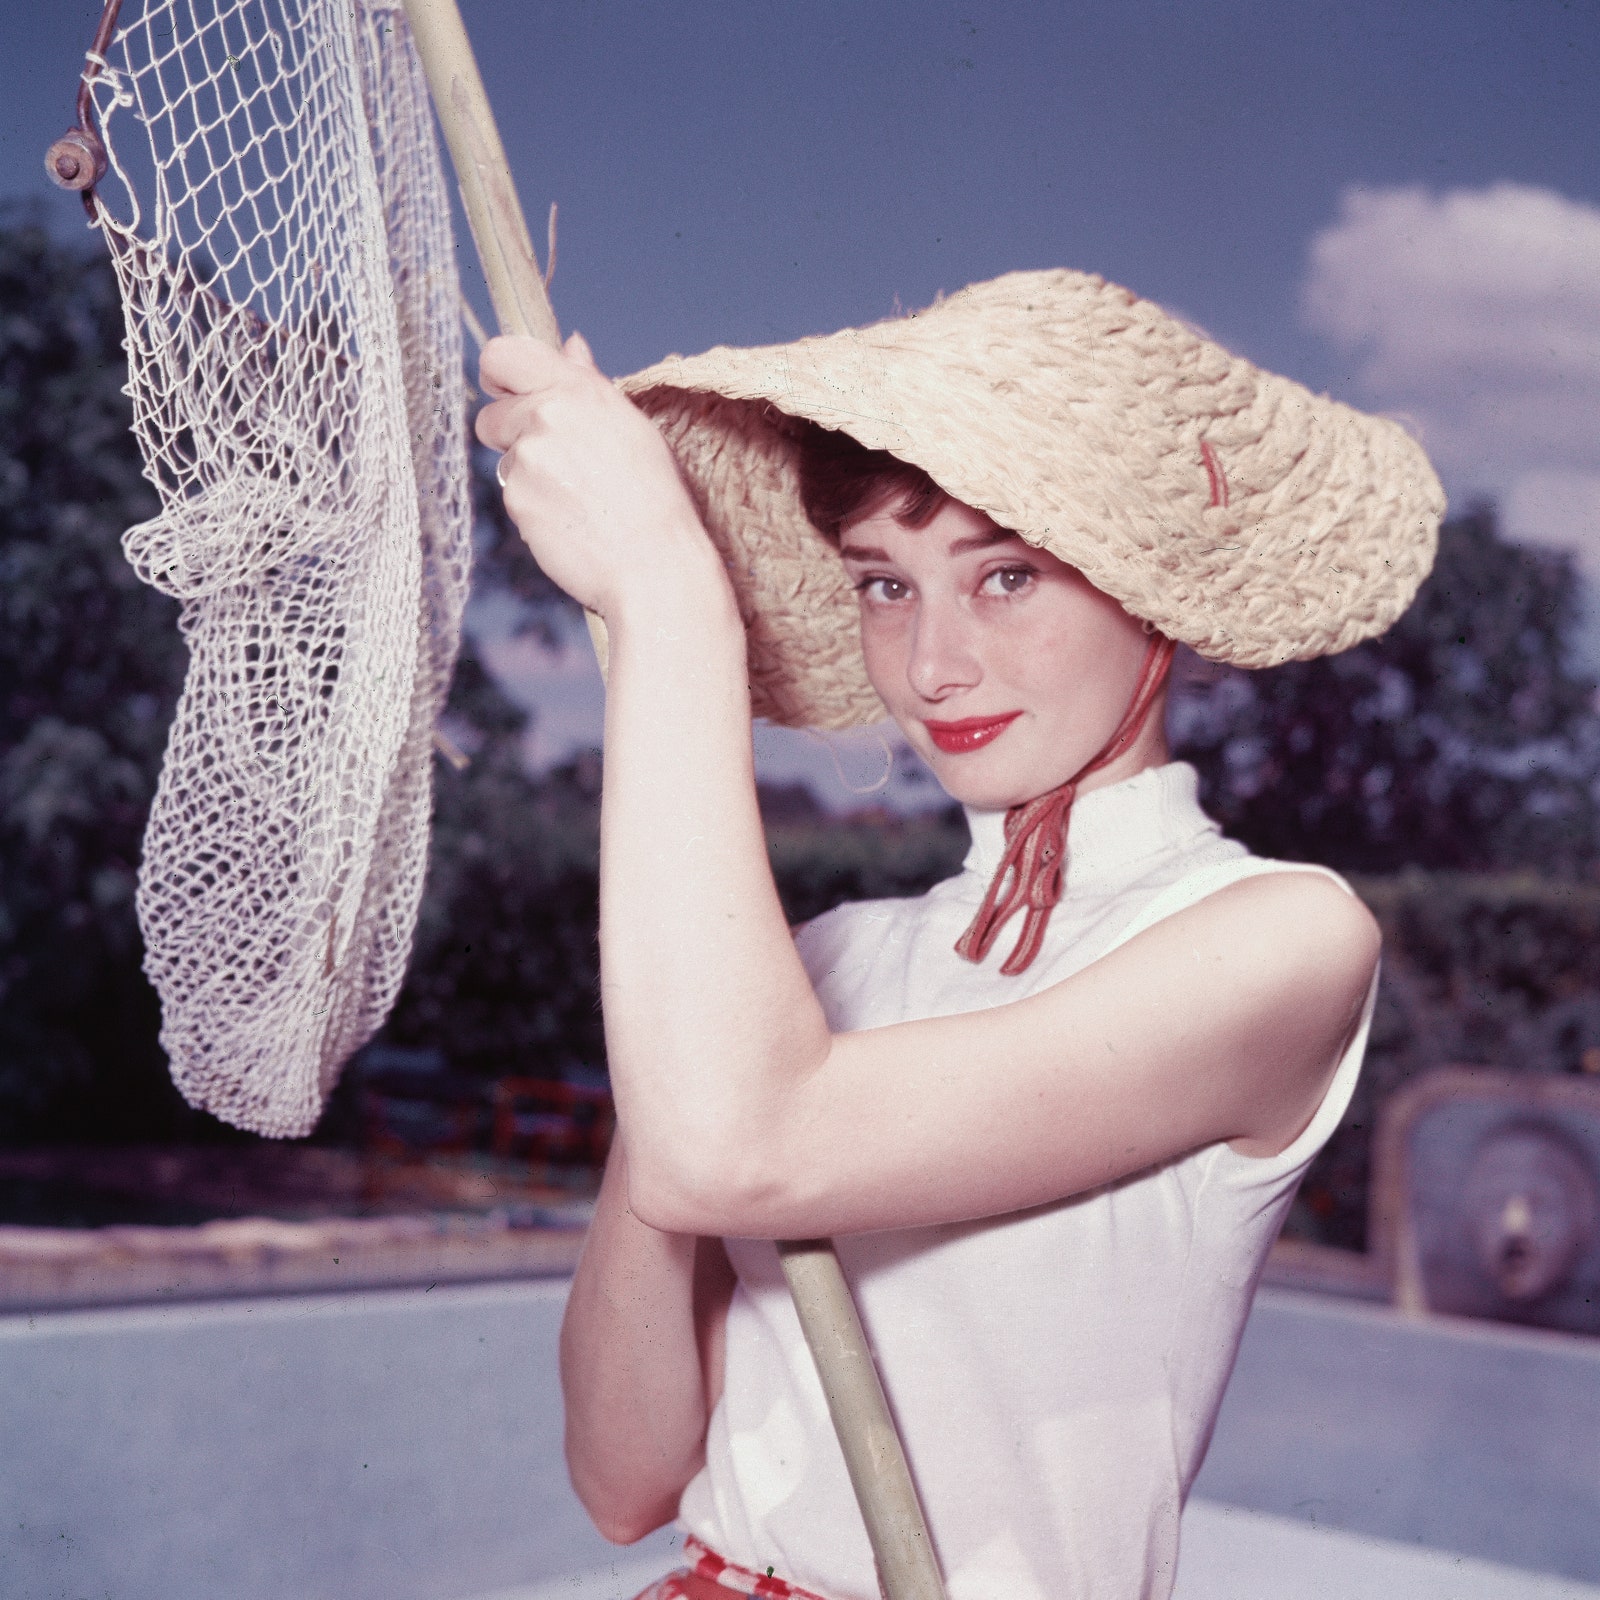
pixel 981 541
pixel 961 547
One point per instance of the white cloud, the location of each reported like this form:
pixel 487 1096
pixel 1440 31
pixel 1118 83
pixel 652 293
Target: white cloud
pixel 1475 315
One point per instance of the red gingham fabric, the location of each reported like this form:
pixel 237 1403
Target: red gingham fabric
pixel 703 1562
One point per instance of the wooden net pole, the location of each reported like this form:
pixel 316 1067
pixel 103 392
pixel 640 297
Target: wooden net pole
pixel 876 1459
pixel 861 1417
pixel 489 197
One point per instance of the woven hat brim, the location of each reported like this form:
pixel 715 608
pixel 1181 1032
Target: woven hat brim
pixel 1232 509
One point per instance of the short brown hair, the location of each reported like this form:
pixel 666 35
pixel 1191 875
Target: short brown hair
pixel 841 481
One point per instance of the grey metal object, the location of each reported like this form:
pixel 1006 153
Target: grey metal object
pixel 1530 1202
pixel 1486 1197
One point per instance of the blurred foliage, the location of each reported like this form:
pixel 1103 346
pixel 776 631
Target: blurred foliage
pixel 1463 743
pixel 821 863
pixel 90 665
pixel 1464 739
pixel 505 972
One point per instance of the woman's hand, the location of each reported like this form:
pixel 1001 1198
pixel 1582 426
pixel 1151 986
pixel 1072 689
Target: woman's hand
pixel 588 479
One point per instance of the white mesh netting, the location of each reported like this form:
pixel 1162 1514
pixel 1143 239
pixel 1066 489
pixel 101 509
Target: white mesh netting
pixel 282 240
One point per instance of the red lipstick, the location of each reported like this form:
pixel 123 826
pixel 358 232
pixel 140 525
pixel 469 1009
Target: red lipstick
pixel 972 733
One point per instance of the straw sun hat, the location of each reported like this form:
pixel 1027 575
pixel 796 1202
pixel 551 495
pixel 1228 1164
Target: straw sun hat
pixel 1233 510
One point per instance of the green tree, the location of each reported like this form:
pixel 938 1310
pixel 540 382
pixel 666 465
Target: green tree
pixel 91 662
pixel 504 975
pixel 90 665
pixel 1464 739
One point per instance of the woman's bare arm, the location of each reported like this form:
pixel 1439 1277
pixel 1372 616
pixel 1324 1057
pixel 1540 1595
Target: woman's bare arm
pixel 641 1362
pixel 744 1114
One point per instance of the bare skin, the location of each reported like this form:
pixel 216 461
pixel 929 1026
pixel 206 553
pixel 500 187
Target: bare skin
pixel 641 1362
pixel 741 1113
pixel 961 619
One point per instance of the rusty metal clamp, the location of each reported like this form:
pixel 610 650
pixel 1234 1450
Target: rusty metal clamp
pixel 78 159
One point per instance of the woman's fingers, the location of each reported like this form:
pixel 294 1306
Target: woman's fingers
pixel 586 476
pixel 502 422
pixel 514 364
pixel 521 375
pixel 496 425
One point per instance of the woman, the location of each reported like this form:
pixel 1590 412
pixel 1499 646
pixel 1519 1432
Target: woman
pixel 1052 1118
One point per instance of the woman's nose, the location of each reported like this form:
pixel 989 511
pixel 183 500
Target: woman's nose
pixel 944 658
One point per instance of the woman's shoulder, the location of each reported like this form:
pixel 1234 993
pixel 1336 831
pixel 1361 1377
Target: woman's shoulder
pixel 1294 928
pixel 1310 903
pixel 1302 902
pixel 1294 935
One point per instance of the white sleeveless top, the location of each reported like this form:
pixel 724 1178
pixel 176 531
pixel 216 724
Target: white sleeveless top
pixel 1055 1373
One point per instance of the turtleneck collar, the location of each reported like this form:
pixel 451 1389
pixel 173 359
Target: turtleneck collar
pixel 1109 828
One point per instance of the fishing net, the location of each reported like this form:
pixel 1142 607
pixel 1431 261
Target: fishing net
pixel 281 233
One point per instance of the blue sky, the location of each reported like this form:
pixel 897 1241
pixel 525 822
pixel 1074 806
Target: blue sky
pixel 1398 203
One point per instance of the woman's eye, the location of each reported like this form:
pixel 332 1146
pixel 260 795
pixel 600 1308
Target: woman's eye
pixel 1007 580
pixel 889 589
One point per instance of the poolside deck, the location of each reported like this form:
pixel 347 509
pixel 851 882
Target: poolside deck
pixel 403 1444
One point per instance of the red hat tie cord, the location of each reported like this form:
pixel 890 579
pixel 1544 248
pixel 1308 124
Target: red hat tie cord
pixel 1031 869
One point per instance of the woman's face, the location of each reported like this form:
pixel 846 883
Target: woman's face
pixel 1006 668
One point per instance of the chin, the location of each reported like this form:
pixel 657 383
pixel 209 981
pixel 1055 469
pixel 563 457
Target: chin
pixel 986 789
